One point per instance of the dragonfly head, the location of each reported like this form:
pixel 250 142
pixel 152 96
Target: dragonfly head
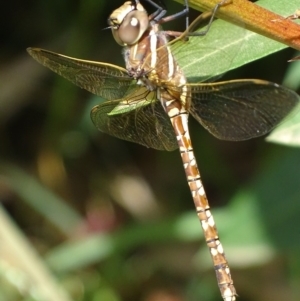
pixel 128 23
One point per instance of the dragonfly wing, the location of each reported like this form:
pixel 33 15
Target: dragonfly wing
pixel 241 109
pixel 138 118
pixel 106 80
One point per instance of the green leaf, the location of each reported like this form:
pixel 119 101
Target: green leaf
pixel 227 46
pixel 131 104
pixel 288 132
pixel 266 17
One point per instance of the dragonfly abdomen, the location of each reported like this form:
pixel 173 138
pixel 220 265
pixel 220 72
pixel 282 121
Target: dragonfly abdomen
pixel 225 282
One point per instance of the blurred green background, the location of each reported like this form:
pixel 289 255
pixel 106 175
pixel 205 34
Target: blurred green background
pixel 103 219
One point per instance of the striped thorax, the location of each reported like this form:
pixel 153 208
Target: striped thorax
pixel 147 55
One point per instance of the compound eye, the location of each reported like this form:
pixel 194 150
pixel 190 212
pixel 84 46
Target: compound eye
pixel 132 28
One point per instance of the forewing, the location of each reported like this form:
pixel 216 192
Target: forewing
pixel 241 109
pixel 106 80
pixel 138 118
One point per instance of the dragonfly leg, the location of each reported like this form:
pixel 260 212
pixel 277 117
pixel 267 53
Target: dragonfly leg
pixel 204 16
pixel 159 13
pixel 157 16
pixel 184 12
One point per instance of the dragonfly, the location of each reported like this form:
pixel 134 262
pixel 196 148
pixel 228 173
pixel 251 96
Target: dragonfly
pixel 150 100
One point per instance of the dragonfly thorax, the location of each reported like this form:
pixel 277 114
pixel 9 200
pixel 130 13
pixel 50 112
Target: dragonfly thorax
pixel 147 56
pixel 151 58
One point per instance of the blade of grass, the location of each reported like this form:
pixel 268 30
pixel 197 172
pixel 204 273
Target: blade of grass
pixel 38 280
pixel 49 205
